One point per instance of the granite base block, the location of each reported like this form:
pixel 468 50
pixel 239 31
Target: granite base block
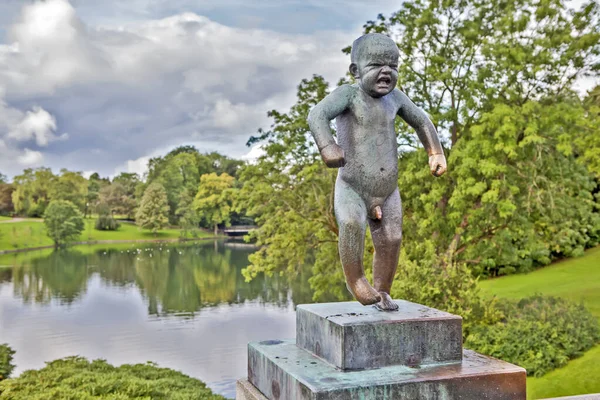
pixel 352 337
pixel 244 390
pixel 282 371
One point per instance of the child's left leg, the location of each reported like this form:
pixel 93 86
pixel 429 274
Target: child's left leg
pixel 387 237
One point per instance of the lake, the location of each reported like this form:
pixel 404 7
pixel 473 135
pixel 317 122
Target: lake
pixel 183 306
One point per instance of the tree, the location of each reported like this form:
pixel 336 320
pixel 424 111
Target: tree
pixel 289 193
pixel 181 169
pixel 70 186
pixel 214 199
pixel 118 198
pixel 153 212
pixel 32 191
pixel 64 222
pixel 3 178
pixel 187 216
pixel 6 204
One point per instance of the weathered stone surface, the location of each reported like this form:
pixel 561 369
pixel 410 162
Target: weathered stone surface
pixel 244 390
pixel 282 371
pixel 352 336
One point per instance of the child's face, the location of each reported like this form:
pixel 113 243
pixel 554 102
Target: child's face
pixel 378 70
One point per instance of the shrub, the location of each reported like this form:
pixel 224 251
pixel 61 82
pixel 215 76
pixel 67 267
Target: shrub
pixel 105 221
pixel 538 333
pixel 449 288
pixel 6 357
pixel 77 378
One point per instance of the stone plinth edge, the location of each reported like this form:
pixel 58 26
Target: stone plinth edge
pixel 244 390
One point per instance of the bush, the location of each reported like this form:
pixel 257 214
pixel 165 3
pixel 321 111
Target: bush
pixel 6 357
pixel 107 223
pixel 538 333
pixel 77 378
pixel 449 288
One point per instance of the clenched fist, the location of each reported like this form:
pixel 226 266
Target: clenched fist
pixel 437 164
pixel 333 155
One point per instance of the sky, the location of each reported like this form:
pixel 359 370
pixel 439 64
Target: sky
pixel 101 86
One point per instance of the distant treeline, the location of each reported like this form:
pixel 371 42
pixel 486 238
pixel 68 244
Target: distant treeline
pixel 179 173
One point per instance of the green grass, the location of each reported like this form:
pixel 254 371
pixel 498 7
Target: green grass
pixel 29 234
pixel 577 279
pixel 3 218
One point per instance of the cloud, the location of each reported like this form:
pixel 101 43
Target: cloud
pixel 125 90
pixel 30 158
pixel 37 124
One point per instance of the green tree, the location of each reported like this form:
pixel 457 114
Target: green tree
pixel 289 193
pixel 117 197
pixel 187 215
pixel 32 191
pixel 70 186
pixel 214 199
pixel 153 212
pixel 64 222
pixel 6 204
pixel 181 169
pixel 3 178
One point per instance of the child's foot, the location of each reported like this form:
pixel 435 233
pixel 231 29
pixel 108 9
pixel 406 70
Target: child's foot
pixel 364 292
pixel 386 303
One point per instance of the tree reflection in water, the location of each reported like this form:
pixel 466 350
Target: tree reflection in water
pixel 174 279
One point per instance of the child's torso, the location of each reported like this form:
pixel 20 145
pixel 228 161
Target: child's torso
pixel 367 134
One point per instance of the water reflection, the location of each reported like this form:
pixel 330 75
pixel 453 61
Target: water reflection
pixel 184 306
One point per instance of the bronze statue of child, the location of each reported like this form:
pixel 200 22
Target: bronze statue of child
pixel 366 189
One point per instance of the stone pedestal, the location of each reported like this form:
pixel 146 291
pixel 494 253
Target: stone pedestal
pixel 348 351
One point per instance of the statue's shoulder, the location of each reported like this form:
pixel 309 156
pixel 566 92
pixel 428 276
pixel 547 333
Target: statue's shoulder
pixel 399 95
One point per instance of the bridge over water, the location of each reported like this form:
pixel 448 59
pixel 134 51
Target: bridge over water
pixel 238 230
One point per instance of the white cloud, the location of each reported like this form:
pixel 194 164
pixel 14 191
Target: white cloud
pixel 254 154
pixel 37 124
pixel 30 158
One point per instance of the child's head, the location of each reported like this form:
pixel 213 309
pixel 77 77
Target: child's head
pixel 374 63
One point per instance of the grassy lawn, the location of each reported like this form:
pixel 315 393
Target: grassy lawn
pixel 3 218
pixel 27 234
pixel 577 279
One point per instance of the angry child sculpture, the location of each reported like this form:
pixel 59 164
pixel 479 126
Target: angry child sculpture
pixel 366 189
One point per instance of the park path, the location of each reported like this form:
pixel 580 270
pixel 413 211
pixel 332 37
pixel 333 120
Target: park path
pixel 12 221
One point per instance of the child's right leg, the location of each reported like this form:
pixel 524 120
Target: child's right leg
pixel 351 216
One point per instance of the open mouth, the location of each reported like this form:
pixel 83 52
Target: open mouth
pixel 384 80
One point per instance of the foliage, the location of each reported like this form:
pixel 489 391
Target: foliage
pixel 452 289
pixel 64 222
pixel 70 186
pixel 539 334
pixel 496 80
pixel 187 216
pixel 119 198
pixel 77 378
pixel 6 203
pixel 289 193
pixel 6 365
pixel 32 191
pixel 154 209
pixel 214 199
pixel 105 221
pixel 181 169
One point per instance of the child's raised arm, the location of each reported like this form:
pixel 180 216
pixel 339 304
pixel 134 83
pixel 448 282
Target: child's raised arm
pixel 421 123
pixel 318 120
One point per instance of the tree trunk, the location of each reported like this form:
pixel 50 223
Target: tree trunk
pixel 216 229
